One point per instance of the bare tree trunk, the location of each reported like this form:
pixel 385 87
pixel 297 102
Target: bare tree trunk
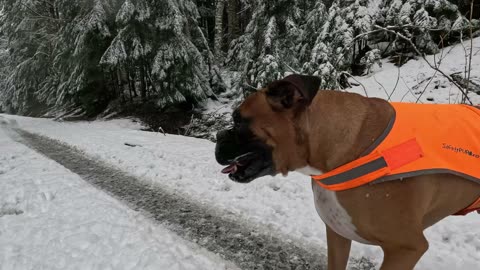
pixel 233 24
pixel 51 9
pixel 143 85
pixel 131 86
pixel 121 83
pixel 245 14
pixel 132 75
pixel 148 72
pixel 219 28
pixel 205 25
pixel 114 82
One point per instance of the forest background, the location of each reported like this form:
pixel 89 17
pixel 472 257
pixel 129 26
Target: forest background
pixel 163 60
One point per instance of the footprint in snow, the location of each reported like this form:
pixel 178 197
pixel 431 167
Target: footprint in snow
pixel 10 211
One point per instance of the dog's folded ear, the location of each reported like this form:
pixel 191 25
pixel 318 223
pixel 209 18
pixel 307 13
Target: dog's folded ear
pixel 293 91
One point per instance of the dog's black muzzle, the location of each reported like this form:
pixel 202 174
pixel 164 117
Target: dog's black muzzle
pixel 227 148
pixel 249 157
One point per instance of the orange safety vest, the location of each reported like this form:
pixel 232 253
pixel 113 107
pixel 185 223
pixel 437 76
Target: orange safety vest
pixel 420 139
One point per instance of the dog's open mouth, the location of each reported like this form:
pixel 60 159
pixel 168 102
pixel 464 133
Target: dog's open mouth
pixel 247 167
pixel 238 162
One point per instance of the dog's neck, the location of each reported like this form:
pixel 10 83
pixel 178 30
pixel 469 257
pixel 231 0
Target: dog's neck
pixel 340 126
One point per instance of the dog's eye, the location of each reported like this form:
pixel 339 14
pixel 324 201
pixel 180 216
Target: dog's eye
pixel 238 121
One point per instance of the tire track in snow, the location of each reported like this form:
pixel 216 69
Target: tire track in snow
pixel 216 232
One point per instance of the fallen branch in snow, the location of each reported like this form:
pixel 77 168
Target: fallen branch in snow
pixel 477 52
pixel 434 67
pixel 351 76
pixel 415 87
pixel 205 126
pixel 160 129
pixel 132 145
pixel 188 127
pixel 466 82
pixel 409 91
pixel 390 28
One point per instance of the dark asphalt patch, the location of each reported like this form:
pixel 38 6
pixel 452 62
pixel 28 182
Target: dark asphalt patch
pixel 217 232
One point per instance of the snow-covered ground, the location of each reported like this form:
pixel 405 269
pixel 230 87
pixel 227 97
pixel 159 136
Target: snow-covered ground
pixel 283 206
pixel 51 219
pixel 54 220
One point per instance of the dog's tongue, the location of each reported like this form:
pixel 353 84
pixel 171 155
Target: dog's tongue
pixel 232 168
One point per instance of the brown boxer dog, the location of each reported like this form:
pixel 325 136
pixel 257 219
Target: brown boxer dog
pixel 291 126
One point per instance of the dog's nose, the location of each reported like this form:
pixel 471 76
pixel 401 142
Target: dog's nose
pixel 226 148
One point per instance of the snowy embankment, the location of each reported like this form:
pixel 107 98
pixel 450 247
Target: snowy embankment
pixel 409 81
pixel 282 206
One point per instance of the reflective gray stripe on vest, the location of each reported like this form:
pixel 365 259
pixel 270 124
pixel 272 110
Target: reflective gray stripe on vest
pixel 356 172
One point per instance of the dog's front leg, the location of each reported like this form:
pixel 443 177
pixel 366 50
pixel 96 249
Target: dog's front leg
pixel 338 250
pixel 404 256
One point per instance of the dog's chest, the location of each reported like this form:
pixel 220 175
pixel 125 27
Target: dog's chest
pixel 334 215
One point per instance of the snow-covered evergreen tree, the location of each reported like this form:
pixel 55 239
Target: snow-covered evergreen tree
pixel 30 27
pixel 88 53
pixel 161 45
pixel 371 58
pixel 83 39
pixel 61 53
pixel 342 42
pixel 271 42
pixel 428 23
pixel 323 55
pixel 392 12
pixel 4 95
pixel 423 38
pixel 315 23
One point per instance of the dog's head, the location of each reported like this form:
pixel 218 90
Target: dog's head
pixel 265 138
